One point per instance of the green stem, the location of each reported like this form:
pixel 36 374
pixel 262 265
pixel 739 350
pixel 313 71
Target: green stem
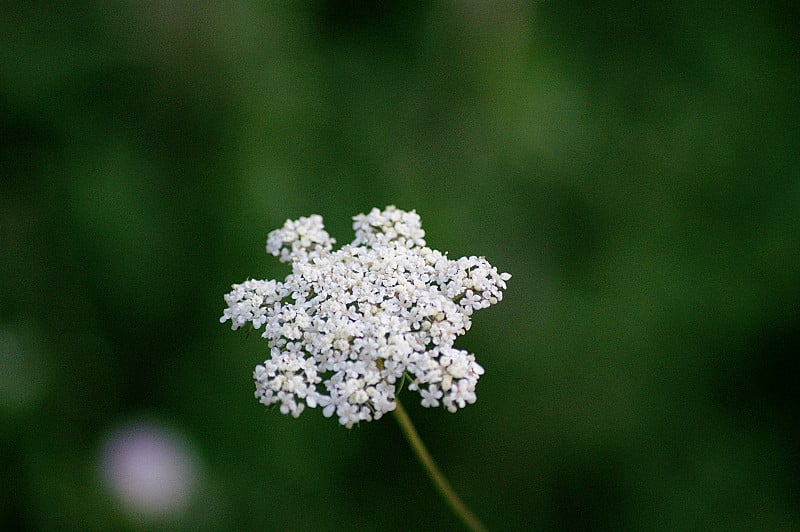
pixel 456 504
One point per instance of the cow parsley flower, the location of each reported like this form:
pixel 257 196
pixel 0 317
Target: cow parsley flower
pixel 346 327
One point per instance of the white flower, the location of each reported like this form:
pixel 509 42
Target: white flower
pixel 347 326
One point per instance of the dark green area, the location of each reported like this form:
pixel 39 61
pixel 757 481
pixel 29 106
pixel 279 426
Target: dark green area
pixel 635 167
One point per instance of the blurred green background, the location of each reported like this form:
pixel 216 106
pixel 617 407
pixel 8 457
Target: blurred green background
pixel 634 166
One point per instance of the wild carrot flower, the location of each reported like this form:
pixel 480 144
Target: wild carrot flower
pixel 346 327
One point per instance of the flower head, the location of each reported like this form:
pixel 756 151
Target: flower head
pixel 346 326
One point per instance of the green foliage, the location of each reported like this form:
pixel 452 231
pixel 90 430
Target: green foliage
pixel 634 168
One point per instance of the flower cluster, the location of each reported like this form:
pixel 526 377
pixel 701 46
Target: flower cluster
pixel 347 326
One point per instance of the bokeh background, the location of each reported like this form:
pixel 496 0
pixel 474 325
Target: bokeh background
pixel 634 166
